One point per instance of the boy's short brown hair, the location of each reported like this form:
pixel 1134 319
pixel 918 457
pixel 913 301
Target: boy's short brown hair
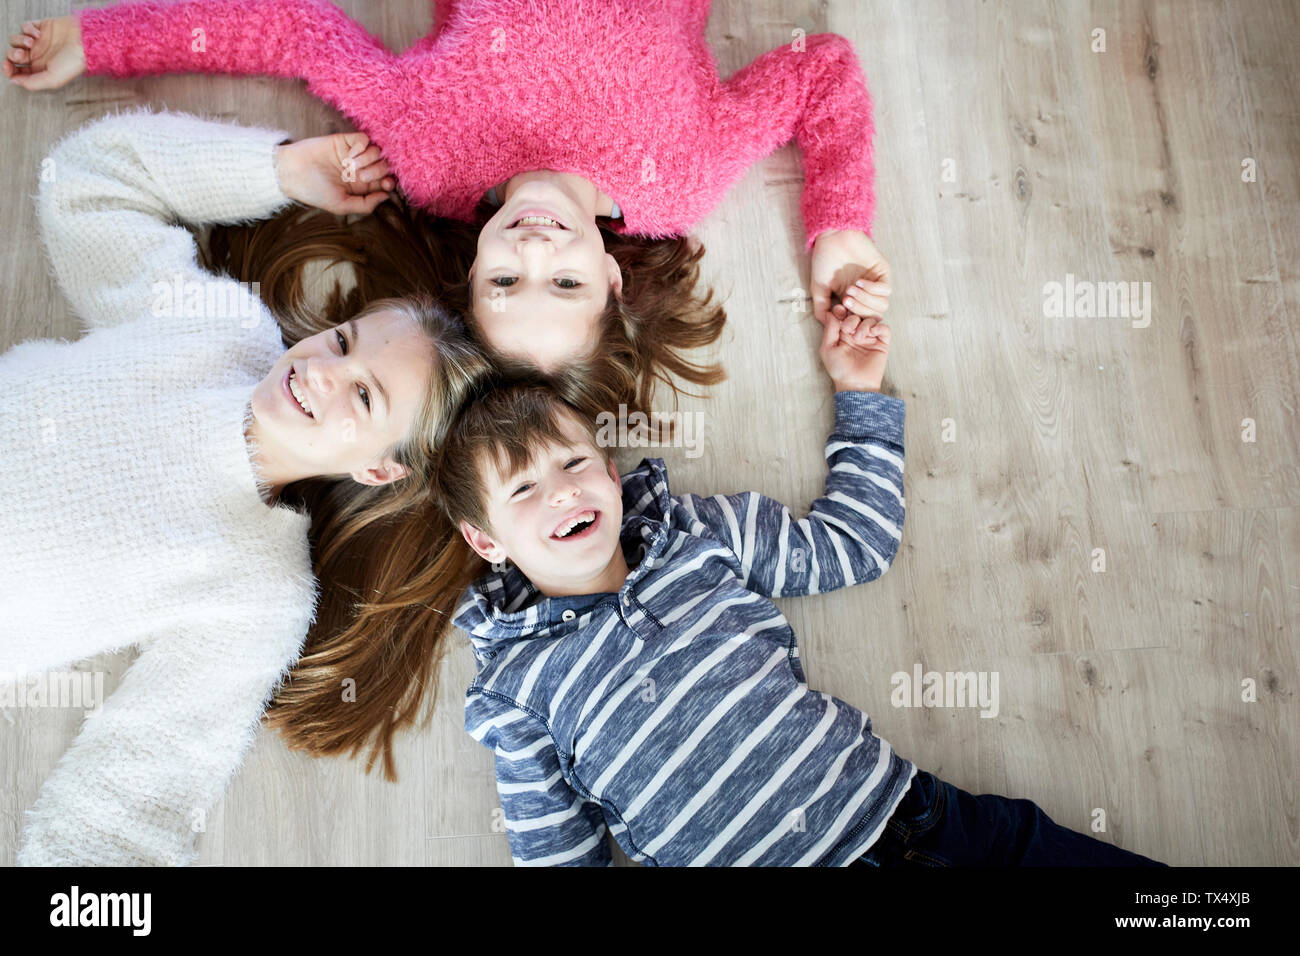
pixel 504 425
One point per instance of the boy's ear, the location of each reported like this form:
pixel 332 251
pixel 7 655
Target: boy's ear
pixel 613 472
pixel 483 546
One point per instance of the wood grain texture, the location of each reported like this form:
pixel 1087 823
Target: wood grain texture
pixel 1009 154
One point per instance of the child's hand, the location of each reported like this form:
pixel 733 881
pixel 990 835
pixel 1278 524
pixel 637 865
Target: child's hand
pixel 341 173
pixel 847 265
pixel 855 362
pixel 46 54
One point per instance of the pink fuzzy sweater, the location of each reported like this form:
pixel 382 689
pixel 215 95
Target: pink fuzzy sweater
pixel 623 92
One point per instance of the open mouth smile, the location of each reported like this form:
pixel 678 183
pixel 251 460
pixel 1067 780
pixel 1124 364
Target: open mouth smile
pixel 536 219
pixel 295 393
pixel 579 524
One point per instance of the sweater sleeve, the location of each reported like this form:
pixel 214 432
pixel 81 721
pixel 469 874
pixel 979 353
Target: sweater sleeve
pixel 136 784
pixel 287 38
pixel 814 91
pixel 111 196
pixel 547 822
pixel 850 534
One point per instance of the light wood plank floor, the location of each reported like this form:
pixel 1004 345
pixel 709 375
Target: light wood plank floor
pixel 1011 154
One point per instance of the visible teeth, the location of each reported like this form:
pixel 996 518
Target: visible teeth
pixel 585 518
pixel 297 393
pixel 537 221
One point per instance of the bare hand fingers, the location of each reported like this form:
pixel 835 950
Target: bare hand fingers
pixel 879 338
pixel 866 330
pixel 872 294
pixel 20 40
pixel 366 157
pixel 31 29
pixel 830 334
pixel 864 334
pixel 374 199
pixel 355 142
pixel 876 286
pixel 359 204
pixel 38 80
pixel 821 302
pixel 363 185
pixel 372 169
pixel 865 305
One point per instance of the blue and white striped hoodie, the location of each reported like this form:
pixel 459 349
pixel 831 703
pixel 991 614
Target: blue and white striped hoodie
pixel 675 713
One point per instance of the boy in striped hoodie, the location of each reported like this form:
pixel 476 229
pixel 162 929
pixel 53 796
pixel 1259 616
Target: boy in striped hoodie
pixel 633 676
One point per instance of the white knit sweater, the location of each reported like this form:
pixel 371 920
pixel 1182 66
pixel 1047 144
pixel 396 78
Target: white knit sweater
pixel 130 512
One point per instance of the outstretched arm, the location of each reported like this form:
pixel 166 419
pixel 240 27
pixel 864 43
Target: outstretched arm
pixel 135 786
pixel 851 533
pixel 309 39
pixel 849 536
pixel 811 90
pixel 112 195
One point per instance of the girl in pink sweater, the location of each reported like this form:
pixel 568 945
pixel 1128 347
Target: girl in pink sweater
pixel 556 111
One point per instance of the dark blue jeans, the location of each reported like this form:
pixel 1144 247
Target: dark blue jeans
pixel 938 824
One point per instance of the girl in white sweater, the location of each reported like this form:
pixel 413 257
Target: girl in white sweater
pixel 142 464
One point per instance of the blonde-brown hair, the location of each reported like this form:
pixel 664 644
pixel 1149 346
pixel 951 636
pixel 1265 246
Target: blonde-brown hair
pixel 390 566
pixel 389 583
pixel 645 340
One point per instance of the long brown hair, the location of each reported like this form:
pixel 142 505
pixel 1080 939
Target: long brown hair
pixel 644 338
pixel 389 584
pixel 390 565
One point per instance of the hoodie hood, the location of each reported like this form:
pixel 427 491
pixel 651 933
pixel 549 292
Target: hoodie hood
pixel 502 606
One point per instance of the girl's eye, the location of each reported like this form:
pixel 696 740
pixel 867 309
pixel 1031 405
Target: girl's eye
pixel 343 347
pixel 507 281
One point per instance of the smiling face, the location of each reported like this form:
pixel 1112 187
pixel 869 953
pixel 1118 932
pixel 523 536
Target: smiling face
pixel 337 401
pixel 542 277
pixel 557 518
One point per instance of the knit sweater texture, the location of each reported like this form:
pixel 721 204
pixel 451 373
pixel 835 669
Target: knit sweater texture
pixel 133 515
pixel 623 92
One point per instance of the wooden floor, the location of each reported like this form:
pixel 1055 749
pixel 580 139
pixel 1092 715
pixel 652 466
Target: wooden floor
pixel 1011 154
